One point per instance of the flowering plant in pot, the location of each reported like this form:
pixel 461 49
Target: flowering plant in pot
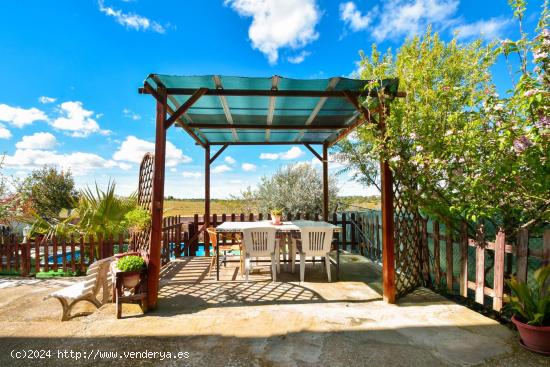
pixel 531 308
pixel 131 266
pixel 276 215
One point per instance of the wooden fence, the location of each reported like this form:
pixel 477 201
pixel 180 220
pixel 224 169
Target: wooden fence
pixel 471 267
pixel 73 254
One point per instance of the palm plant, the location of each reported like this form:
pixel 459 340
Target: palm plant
pixel 95 212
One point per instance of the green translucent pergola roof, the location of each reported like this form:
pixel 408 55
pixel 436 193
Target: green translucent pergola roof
pixel 276 110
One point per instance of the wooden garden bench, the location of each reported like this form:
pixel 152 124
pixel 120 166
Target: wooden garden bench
pixel 97 277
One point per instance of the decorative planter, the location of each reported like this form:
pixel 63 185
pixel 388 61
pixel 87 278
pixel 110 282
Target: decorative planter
pixel 131 279
pixel 534 338
pixel 121 255
pixel 276 219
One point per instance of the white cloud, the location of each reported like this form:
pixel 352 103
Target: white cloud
pixel 45 100
pixel 297 59
pixel 190 174
pixel 490 29
pixel 222 168
pixel 131 115
pixel 292 153
pixel 4 132
pixel 411 17
pixel 79 163
pixel 76 120
pixel 41 141
pixel 279 24
pixel 131 20
pixel 353 17
pixel 133 149
pixel 248 167
pixel 173 169
pixel 230 160
pixel 400 18
pixel 20 117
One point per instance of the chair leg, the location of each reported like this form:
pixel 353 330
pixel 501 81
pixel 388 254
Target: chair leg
pixel 327 263
pixel 277 256
pixel 212 264
pixel 273 267
pixel 247 267
pixel 66 310
pixel 302 266
pixel 293 255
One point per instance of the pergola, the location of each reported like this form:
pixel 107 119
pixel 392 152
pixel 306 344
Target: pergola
pixel 226 110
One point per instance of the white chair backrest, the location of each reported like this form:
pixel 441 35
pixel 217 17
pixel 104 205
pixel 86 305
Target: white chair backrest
pixel 316 241
pixel 259 241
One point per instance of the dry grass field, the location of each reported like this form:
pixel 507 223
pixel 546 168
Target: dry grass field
pixel 189 207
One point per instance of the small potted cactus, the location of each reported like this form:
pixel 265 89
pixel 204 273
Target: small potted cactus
pixel 276 215
pixel 131 266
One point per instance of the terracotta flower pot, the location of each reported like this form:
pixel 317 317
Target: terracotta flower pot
pixel 534 338
pixel 131 279
pixel 276 219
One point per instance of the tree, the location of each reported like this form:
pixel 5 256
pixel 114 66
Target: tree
pixel 49 191
pixel 474 155
pixel 296 188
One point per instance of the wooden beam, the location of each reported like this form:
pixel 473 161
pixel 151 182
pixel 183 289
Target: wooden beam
pixel 185 106
pixel 263 143
pixel 266 127
pixel 154 265
pixel 207 186
pixel 388 241
pixel 267 92
pixel 325 182
pixel 314 152
pixel 352 127
pixel 218 153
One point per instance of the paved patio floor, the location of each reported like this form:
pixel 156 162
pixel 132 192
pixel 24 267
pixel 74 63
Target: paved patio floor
pixel 259 323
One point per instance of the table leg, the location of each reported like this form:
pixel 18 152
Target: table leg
pixel 338 260
pixel 217 263
pixel 118 295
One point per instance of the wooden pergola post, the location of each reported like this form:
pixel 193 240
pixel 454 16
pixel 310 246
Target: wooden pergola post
pixel 207 190
pixel 153 268
pixel 325 182
pixel 388 244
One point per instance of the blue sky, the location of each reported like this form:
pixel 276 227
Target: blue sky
pixel 71 70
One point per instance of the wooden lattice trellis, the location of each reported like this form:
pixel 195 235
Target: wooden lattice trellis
pixel 409 250
pixel 142 240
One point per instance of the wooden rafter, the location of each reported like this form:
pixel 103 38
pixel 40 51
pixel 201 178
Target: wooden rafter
pixel 331 85
pixel 225 106
pixel 271 107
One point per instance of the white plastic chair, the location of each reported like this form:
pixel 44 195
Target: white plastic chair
pixel 316 241
pixel 260 242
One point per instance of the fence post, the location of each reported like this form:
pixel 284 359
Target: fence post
pixel 425 250
pixel 480 265
pixel 522 254
pixel 498 279
pixel 464 260
pixel 546 247
pixel 437 254
pixel 449 256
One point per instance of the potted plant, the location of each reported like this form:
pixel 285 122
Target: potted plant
pixel 276 215
pixel 131 266
pixel 531 308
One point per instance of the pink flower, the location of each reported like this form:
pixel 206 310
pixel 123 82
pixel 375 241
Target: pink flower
pixel 522 143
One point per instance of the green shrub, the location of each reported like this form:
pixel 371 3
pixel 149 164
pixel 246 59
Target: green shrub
pixel 131 263
pixel 138 219
pixel 276 212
